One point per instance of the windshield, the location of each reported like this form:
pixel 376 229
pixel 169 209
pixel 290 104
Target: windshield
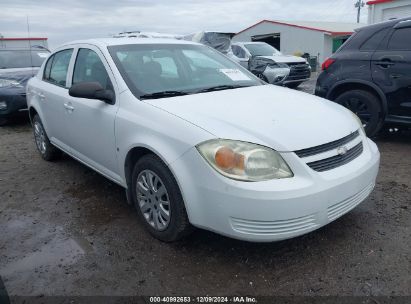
pixel 177 69
pixel 261 49
pixel 10 59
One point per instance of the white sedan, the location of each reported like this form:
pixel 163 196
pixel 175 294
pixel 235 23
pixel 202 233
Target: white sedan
pixel 197 140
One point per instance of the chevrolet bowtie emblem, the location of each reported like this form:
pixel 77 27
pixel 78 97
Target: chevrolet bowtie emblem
pixel 342 150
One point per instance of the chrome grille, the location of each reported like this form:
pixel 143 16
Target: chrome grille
pixel 330 155
pixel 298 71
pixel 328 146
pixel 337 160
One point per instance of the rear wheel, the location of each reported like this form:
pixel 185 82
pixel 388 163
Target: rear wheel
pixel 47 150
pixel 366 106
pixel 158 200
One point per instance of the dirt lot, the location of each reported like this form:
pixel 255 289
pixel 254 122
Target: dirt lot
pixel 65 230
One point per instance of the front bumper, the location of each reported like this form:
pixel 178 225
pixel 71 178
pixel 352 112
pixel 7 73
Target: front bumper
pixel 277 209
pixel 15 104
pixel 276 75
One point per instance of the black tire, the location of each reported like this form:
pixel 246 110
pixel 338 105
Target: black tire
pixel 46 149
pixel 3 121
pixel 178 225
pixel 293 85
pixel 366 106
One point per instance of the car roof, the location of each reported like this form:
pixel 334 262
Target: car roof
pixel 384 24
pixel 104 42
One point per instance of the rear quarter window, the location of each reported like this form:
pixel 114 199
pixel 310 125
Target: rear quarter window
pixel 400 40
pixel 374 41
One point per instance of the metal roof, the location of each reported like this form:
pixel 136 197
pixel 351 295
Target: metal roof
pixel 373 2
pixel 332 28
pixel 17 39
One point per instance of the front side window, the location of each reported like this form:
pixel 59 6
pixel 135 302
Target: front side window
pixel 400 39
pixel 56 68
pixel 90 68
pixel 178 68
pixel 261 49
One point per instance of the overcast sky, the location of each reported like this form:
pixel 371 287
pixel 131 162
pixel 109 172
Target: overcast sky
pixel 68 20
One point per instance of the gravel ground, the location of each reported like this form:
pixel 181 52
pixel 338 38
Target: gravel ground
pixel 65 230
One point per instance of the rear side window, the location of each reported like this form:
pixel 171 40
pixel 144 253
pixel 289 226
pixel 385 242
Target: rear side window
pixel 56 68
pixel 90 68
pixel 400 39
pixel 47 69
pixel 374 41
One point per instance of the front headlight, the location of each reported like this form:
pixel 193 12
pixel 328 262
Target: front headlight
pixel 244 161
pixel 10 83
pixel 362 125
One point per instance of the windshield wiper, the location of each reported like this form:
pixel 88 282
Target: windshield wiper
pixel 220 88
pixel 163 94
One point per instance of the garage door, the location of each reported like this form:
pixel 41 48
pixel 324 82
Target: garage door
pixel 396 12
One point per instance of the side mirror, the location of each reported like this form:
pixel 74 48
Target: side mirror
pixel 92 90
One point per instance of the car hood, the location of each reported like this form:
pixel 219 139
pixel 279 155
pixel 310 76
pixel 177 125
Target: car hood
pixel 284 119
pixel 285 59
pixel 20 74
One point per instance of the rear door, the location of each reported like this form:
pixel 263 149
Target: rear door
pixel 91 121
pixel 391 69
pixel 53 95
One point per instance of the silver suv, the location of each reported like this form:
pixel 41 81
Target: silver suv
pixel 271 65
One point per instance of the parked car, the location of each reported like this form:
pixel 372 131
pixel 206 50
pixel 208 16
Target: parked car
pixel 268 59
pixel 371 75
pixel 17 66
pixel 197 140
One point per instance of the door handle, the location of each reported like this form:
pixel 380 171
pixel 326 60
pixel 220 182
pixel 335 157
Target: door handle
pixel 385 63
pixel 69 107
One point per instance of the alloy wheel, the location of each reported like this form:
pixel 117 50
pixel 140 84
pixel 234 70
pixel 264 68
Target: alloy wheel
pixel 40 137
pixel 153 200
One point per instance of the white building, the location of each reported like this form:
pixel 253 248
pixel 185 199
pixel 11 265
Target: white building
pixel 383 10
pixel 319 39
pixel 22 42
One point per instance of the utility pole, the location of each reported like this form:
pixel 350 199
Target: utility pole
pixel 359 5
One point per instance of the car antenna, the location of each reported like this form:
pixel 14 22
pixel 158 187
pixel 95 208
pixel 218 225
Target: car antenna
pixel 31 55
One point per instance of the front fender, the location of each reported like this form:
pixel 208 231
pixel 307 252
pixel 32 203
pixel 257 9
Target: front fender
pixel 370 84
pixel 139 124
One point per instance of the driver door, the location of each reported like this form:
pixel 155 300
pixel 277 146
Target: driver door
pixel 91 121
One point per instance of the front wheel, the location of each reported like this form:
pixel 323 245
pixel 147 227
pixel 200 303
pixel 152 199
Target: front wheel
pixel 366 106
pixel 158 200
pixel 47 150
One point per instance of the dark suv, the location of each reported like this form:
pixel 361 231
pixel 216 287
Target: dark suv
pixel 371 75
